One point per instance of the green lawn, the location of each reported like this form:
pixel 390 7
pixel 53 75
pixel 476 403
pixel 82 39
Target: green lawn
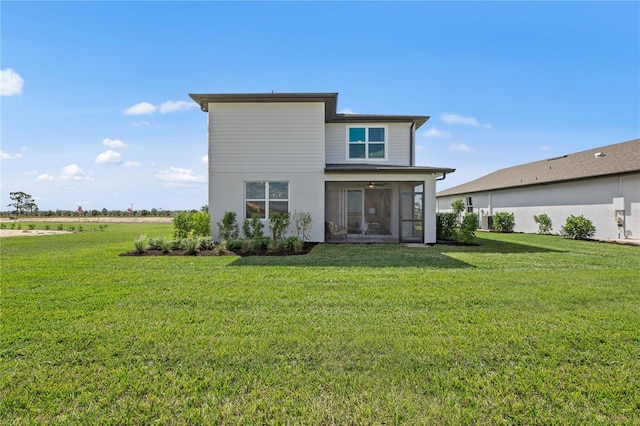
pixel 523 329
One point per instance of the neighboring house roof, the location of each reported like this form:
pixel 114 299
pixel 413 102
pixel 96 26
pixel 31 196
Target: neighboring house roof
pixel 368 168
pixel 616 159
pixel 330 101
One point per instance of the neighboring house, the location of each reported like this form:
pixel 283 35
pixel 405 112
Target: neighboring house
pixel 288 152
pixel 603 184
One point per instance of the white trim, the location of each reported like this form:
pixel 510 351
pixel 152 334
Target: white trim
pixel 366 141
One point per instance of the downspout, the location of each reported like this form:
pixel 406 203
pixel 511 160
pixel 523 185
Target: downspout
pixel 444 176
pixel 412 141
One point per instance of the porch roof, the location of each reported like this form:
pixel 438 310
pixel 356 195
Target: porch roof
pixel 375 168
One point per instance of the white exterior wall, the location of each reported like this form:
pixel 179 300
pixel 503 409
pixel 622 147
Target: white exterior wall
pixel 398 143
pixel 593 198
pixel 267 142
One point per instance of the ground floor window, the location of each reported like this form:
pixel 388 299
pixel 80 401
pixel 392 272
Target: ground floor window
pixel 263 198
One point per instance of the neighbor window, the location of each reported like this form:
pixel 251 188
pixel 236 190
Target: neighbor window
pixel 367 143
pixel 264 198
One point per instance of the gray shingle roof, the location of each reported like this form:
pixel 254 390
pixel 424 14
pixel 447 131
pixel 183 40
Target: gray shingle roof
pixel 616 159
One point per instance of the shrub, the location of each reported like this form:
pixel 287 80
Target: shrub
pixel 504 222
pixel 3 226
pixel 192 245
pixel 274 246
pixel 302 223
pixel 228 228
pixel 544 223
pixel 234 244
pixel 290 242
pixel 177 244
pixel 60 227
pixel 140 244
pixel 298 246
pixel 579 228
pixel 206 243
pixel 278 224
pixel 245 246
pixel 252 228
pixel 260 243
pixel 156 243
pixel 195 224
pixel 47 227
pixel 467 230
pixel 445 226
pixel 32 227
pixel 72 228
pixel 457 207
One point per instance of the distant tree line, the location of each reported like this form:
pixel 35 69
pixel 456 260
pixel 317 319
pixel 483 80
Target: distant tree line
pixel 23 205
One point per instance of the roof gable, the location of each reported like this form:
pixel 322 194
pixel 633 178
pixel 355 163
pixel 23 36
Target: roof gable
pixel 608 160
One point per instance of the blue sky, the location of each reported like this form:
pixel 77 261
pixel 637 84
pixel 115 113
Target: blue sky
pixel 95 108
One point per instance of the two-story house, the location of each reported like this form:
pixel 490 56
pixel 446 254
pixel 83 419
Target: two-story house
pixel 287 152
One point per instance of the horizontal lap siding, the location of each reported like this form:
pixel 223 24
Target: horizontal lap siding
pixel 266 136
pixel 398 144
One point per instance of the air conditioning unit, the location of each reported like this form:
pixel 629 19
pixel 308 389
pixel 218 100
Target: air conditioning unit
pixel 487 222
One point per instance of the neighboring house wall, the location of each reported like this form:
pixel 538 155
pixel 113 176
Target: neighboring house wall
pixel 267 142
pixel 398 143
pixel 597 199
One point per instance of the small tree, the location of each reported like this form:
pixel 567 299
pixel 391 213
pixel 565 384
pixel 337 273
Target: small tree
pixel 579 228
pixel 302 223
pixel 457 207
pixel 544 223
pixel 278 224
pixel 22 203
pixel 445 226
pixel 504 222
pixel 228 229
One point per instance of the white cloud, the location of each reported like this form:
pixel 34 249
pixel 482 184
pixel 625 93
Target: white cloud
pixel 176 176
pixel 7 156
pixel 346 111
pixel 435 133
pixel 170 106
pixel 204 159
pixel 109 156
pixel 140 123
pixel 461 147
pixel 451 118
pixel 143 108
pixel 70 172
pixel 131 164
pixel 113 143
pixel 10 83
pixel 545 148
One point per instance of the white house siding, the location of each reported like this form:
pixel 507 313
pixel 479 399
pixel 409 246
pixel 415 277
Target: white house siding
pixel 593 198
pixel 267 142
pixel 398 143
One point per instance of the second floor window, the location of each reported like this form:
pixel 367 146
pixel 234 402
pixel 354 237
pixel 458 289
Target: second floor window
pixel 367 143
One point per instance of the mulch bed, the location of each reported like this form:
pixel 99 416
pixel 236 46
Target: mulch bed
pixel 306 249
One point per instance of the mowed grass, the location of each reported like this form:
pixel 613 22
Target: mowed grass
pixel 522 329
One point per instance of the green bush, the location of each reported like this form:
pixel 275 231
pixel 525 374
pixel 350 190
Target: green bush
pixel 579 228
pixel 504 222
pixel 445 226
pixel 156 243
pixel 290 242
pixel 177 244
pixel 260 243
pixel 544 223
pixel 228 227
pixel 234 244
pixel 191 224
pixel 252 228
pixel 457 207
pixel 467 230
pixel 32 226
pixel 207 243
pixel 278 224
pixel 140 244
pixel 192 245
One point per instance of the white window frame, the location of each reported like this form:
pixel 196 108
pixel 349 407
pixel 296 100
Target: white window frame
pixel 366 142
pixel 267 200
